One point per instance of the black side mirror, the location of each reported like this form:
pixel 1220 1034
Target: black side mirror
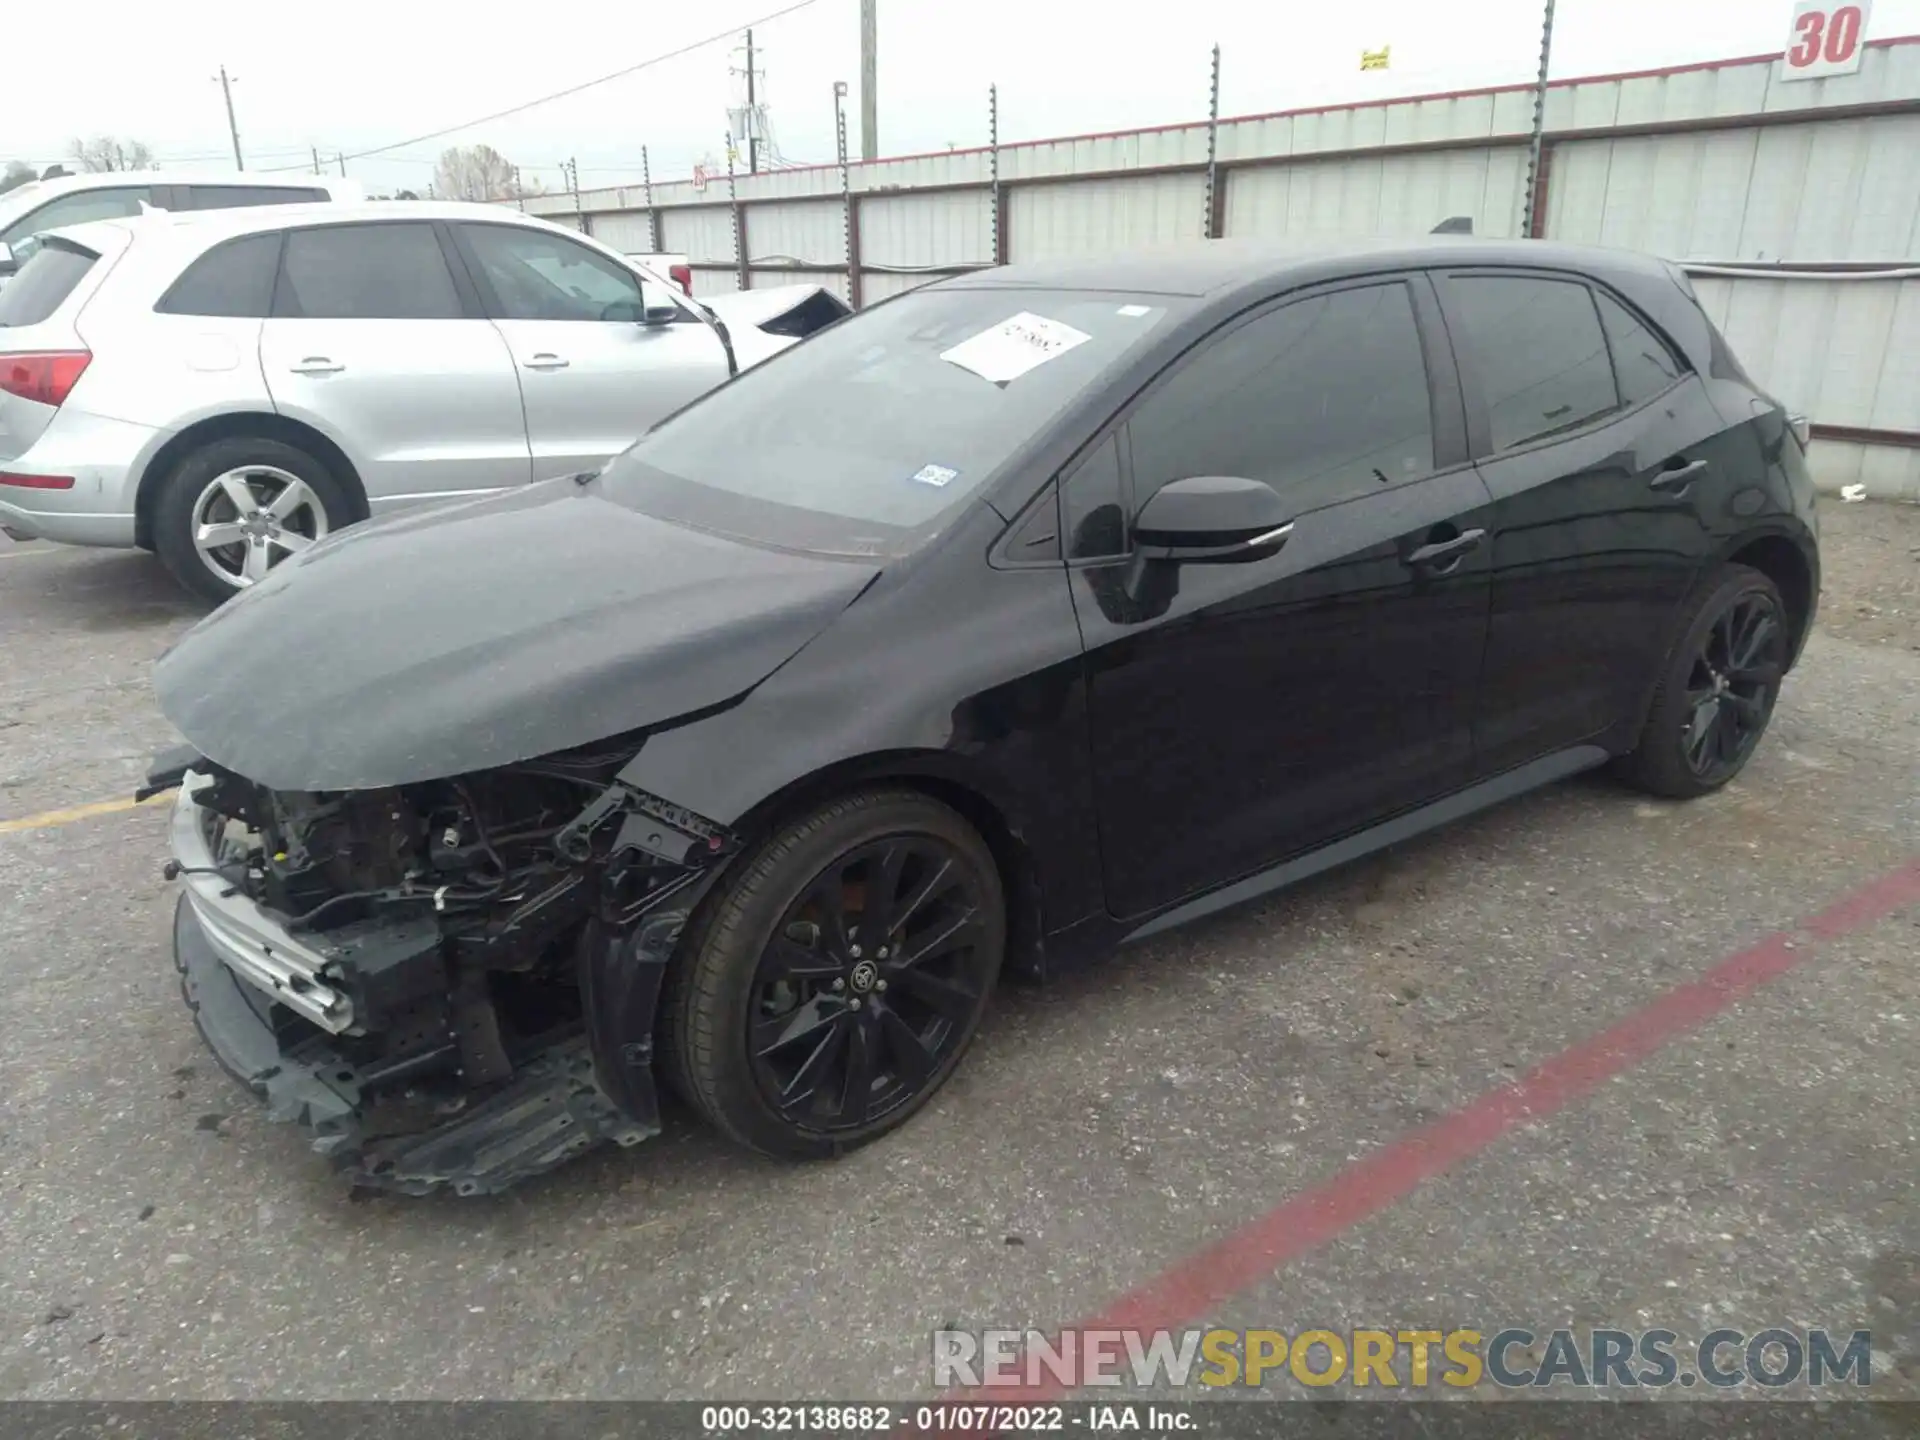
pixel 1212 519
pixel 660 315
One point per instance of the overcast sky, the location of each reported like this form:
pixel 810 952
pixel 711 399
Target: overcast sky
pixel 353 75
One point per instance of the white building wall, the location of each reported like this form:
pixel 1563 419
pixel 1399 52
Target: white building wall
pixel 1804 189
pixel 876 285
pixel 1846 352
pixel 1406 194
pixel 948 227
pixel 625 230
pixel 814 233
pixel 1835 190
pixel 1095 215
pixel 704 236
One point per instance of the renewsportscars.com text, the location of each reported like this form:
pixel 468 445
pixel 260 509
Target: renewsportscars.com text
pixel 1396 1359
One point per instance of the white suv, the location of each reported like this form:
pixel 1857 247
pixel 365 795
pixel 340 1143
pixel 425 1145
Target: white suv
pixel 41 205
pixel 225 388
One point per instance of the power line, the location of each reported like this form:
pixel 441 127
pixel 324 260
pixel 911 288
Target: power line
pixel 621 74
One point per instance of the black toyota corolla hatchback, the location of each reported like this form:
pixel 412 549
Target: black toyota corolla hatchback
pixel 1020 616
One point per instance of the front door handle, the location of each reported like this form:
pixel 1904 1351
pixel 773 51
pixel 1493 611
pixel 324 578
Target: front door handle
pixel 317 365
pixel 1679 477
pixel 1446 552
pixel 546 360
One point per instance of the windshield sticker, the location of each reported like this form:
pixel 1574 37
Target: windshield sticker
pixel 935 475
pixel 1013 347
pixel 1134 312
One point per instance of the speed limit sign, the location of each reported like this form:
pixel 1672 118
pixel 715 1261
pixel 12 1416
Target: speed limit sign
pixel 1827 39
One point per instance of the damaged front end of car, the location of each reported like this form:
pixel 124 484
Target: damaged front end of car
pixel 451 983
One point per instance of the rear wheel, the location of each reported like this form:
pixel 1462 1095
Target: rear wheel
pixel 834 986
pixel 235 509
pixel 1718 692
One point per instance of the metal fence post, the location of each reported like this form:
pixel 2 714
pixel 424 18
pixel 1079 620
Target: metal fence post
pixel 1216 221
pixel 653 216
pixel 849 214
pixel 1532 222
pixel 739 223
pixel 996 234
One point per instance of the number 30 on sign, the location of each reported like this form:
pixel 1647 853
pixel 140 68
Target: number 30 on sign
pixel 1826 39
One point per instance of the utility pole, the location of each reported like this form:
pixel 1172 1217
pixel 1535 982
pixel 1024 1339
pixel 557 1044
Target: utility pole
pixel 343 165
pixel 753 116
pixel 233 126
pixel 316 159
pixel 869 80
pixel 1529 221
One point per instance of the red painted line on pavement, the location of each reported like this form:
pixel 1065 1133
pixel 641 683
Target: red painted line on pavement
pixel 1248 1256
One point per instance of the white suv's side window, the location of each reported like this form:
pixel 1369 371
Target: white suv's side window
pixel 77 209
pixel 384 271
pixel 535 276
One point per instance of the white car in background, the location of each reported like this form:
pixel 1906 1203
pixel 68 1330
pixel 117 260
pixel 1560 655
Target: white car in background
pixel 226 388
pixel 41 205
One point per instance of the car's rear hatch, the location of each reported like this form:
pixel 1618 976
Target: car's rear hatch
pixel 42 351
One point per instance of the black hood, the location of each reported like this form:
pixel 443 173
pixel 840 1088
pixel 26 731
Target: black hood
pixel 455 640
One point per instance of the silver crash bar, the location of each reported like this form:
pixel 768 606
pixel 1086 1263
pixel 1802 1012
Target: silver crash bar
pixel 251 943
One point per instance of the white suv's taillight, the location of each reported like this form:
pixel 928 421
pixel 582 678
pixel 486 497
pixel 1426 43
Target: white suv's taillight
pixel 45 377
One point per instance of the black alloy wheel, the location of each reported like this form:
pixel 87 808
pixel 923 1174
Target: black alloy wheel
pixel 832 982
pixel 869 983
pixel 1732 684
pixel 1718 689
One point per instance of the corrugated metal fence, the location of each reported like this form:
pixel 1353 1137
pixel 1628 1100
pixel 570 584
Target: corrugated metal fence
pixel 1719 166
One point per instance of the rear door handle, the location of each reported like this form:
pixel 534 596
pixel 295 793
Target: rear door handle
pixel 546 360
pixel 1442 551
pixel 317 365
pixel 1679 477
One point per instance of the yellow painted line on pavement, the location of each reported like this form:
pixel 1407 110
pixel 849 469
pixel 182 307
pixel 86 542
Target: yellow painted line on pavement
pixel 47 819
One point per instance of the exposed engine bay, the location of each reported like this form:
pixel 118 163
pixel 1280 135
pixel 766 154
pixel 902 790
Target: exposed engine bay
pixel 423 957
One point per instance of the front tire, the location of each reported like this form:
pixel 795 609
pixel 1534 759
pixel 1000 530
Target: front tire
pixel 832 987
pixel 233 510
pixel 1718 690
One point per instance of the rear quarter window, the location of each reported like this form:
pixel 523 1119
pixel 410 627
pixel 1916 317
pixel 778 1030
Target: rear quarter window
pixel 44 282
pixel 233 279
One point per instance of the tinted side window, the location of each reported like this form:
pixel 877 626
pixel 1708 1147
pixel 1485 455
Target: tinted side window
pixel 536 276
pixel 1323 399
pixel 234 279
pixel 1641 361
pixel 44 283
pixel 1537 346
pixel 366 272
pixel 227 197
pixel 77 209
pixel 1096 520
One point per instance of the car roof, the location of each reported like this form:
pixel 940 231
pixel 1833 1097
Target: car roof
pixel 112 179
pixel 1212 267
pixel 199 229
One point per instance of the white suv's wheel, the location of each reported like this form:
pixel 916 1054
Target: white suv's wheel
pixel 235 509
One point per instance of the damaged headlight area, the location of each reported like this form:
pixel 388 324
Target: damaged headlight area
pixel 450 983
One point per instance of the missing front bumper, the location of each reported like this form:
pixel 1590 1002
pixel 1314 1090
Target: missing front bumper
pixel 551 1111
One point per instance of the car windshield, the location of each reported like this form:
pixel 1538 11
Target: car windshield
pixel 866 438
